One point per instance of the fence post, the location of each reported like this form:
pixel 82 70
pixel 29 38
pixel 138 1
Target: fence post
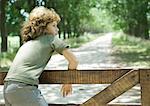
pixel 145 87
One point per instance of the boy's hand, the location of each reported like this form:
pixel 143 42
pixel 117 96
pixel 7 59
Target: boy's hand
pixel 66 89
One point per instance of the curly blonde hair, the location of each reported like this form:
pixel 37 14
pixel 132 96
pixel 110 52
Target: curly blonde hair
pixel 37 22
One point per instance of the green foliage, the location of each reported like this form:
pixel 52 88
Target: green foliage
pixel 79 16
pixel 72 12
pixel 99 22
pixel 129 15
pixel 13 17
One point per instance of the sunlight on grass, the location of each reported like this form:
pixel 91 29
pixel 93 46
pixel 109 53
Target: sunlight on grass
pixel 77 42
pixel 131 51
pixel 6 58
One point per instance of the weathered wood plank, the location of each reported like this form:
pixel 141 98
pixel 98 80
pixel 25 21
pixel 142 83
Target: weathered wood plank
pixel 81 76
pixel 102 76
pixel 55 105
pixel 117 88
pixel 2 76
pixel 78 77
pixel 115 104
pixel 145 87
pixel 63 104
pixel 124 104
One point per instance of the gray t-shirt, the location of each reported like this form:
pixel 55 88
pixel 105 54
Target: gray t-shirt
pixel 32 57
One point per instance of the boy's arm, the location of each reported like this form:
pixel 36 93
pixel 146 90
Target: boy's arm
pixel 70 57
pixel 67 88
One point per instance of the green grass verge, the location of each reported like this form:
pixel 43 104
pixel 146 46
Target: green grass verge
pixel 77 42
pixel 132 51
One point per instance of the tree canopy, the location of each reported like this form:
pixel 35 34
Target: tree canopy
pixel 78 16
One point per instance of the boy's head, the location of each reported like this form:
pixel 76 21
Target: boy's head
pixel 41 20
pixel 43 14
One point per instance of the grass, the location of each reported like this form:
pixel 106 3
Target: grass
pixel 6 58
pixel 132 51
pixel 77 42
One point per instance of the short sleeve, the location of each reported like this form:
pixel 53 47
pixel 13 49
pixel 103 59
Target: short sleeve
pixel 58 45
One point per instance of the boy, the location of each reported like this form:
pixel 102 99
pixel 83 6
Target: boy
pixel 38 34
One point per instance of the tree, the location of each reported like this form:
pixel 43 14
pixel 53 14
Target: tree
pixel 72 13
pixel 130 16
pixel 3 28
pixel 14 17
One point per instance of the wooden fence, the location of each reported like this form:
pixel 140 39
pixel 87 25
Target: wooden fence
pixel 120 81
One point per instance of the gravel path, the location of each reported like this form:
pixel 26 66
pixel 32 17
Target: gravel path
pixel 95 54
pixel 92 55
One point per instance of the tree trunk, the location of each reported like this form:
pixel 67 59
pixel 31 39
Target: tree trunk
pixel 142 30
pixel 64 34
pixel 59 33
pixel 68 28
pixel 64 28
pixel 3 27
pixel 142 26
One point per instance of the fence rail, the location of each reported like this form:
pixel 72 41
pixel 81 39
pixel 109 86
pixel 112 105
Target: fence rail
pixel 120 81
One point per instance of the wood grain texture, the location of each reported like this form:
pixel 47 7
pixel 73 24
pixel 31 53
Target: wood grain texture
pixel 145 87
pixel 81 76
pixel 78 77
pixel 2 76
pixel 121 80
pixel 114 90
pixel 117 104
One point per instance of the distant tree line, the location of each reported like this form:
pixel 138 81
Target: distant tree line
pixel 132 16
pixel 72 12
